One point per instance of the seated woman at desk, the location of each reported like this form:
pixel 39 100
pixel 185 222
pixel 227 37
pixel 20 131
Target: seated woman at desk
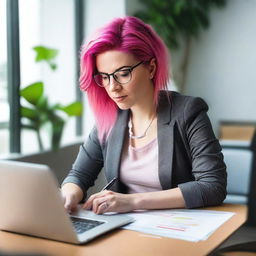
pixel 159 144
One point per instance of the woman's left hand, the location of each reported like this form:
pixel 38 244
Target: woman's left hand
pixel 109 201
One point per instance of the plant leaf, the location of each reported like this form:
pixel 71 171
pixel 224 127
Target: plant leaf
pixel 178 6
pixel 46 54
pixel 28 113
pixel 73 109
pixel 33 92
pixel 42 103
pixel 53 66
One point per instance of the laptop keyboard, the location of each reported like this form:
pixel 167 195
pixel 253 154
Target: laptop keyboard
pixel 82 225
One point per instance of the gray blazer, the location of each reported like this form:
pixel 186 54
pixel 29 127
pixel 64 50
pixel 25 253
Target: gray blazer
pixel 189 154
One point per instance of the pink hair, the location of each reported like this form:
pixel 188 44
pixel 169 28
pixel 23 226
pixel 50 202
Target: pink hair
pixel 130 35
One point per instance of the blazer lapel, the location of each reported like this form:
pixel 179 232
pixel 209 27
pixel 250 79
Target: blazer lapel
pixel 114 147
pixel 165 130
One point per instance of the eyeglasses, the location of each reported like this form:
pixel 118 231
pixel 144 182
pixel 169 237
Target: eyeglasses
pixel 123 75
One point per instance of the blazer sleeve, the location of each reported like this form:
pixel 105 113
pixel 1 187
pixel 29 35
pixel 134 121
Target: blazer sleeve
pixel 88 163
pixel 208 167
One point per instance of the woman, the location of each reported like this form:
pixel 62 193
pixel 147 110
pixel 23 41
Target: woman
pixel 158 144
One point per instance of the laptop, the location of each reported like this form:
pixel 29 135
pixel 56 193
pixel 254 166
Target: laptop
pixel 31 204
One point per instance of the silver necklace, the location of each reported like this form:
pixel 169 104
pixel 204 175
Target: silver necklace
pixel 142 135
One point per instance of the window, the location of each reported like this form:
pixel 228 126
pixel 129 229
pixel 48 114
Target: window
pixel 30 72
pixel 48 23
pixel 4 106
pixel 53 26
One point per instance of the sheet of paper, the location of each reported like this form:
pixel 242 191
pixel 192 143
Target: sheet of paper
pixel 186 224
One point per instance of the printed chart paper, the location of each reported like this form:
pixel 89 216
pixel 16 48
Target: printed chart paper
pixel 186 224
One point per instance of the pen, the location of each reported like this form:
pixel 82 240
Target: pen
pixel 109 185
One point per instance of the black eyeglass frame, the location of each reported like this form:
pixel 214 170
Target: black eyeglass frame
pixel 124 68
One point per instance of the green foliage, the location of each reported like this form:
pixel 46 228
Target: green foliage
pixel 33 92
pixel 174 19
pixel 38 111
pixel 46 54
pixel 73 109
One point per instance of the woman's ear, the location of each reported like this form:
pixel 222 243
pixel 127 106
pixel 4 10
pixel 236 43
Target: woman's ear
pixel 152 68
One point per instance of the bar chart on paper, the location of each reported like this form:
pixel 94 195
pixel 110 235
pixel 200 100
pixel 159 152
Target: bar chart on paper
pixel 190 225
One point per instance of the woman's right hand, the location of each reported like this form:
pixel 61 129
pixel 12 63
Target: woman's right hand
pixel 72 194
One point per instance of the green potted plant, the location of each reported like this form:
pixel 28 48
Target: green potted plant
pixel 178 20
pixel 38 111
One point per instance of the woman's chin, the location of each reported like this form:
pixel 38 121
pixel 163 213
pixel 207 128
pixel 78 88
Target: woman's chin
pixel 123 107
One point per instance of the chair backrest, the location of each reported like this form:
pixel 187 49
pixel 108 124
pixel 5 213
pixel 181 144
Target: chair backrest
pixel 238 159
pixel 61 162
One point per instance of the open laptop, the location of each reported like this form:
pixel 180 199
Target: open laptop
pixel 31 204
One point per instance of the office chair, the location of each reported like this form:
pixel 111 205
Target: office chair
pixel 60 163
pixel 238 157
pixel 250 225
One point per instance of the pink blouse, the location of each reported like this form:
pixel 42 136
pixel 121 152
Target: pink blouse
pixel 139 168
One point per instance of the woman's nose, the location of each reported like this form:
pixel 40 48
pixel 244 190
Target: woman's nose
pixel 113 84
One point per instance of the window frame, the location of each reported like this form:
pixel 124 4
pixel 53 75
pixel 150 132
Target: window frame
pixel 79 34
pixel 13 74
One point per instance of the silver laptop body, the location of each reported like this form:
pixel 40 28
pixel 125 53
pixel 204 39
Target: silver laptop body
pixel 31 204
